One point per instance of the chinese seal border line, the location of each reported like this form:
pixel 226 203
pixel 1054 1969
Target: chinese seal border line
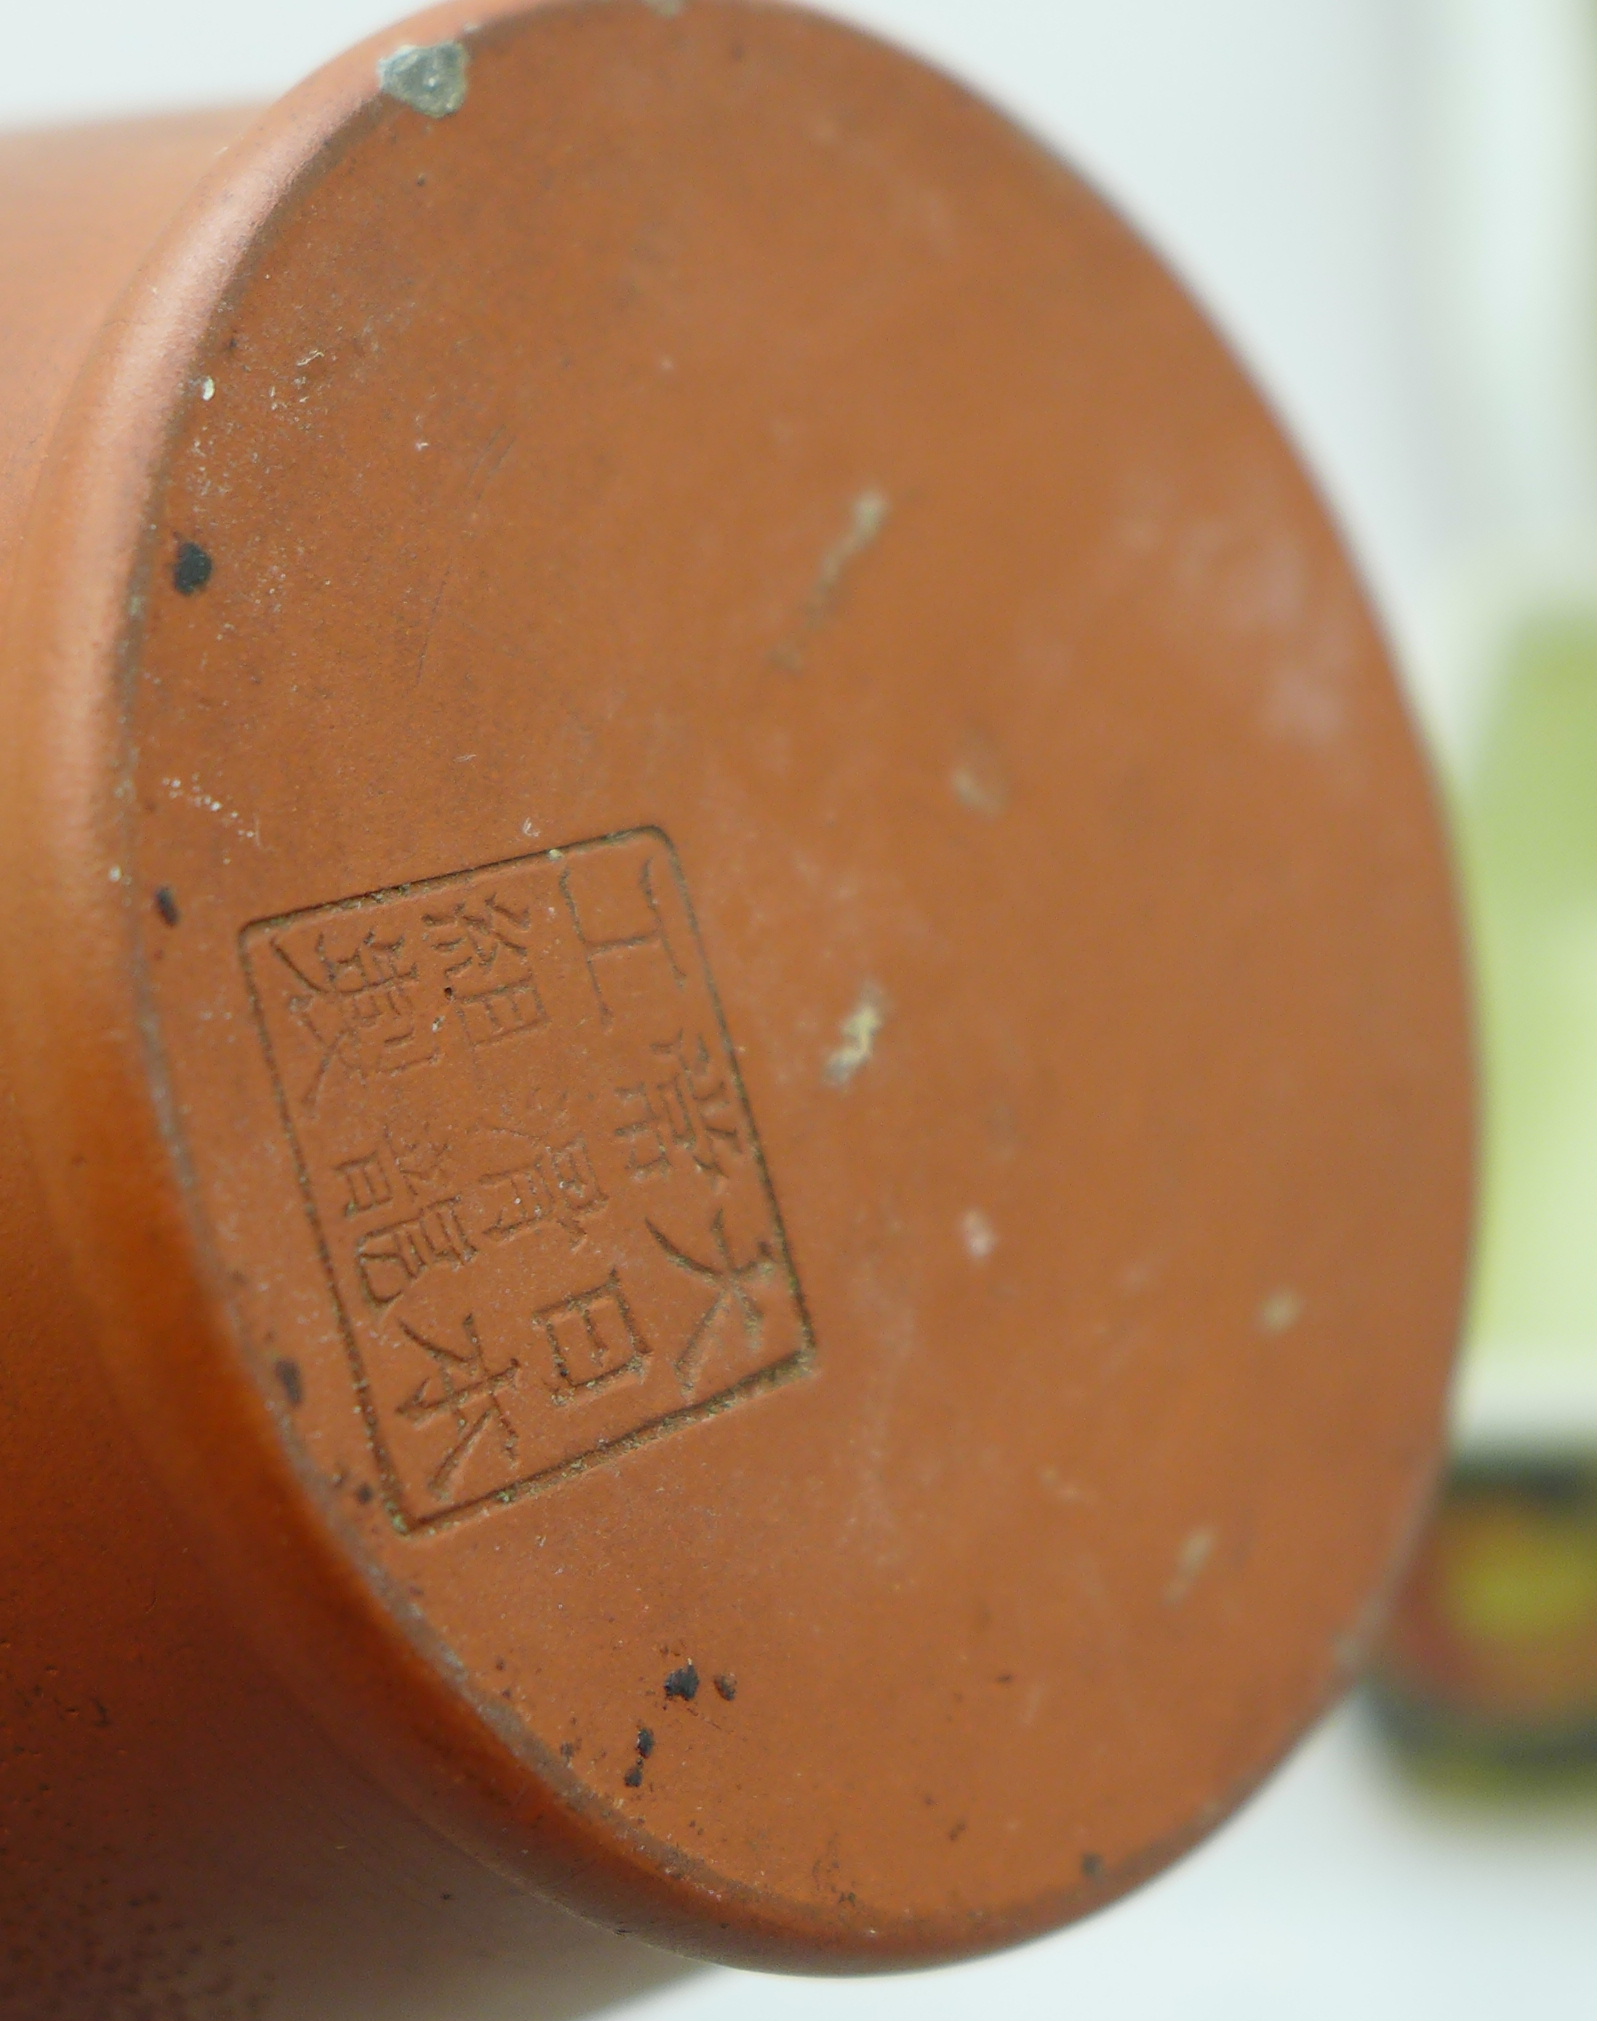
pixel 405 1519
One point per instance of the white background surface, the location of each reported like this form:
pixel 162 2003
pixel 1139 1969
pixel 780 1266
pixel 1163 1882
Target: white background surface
pixel 1338 178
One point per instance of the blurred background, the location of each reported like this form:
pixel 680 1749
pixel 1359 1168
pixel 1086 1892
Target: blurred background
pixel 1390 206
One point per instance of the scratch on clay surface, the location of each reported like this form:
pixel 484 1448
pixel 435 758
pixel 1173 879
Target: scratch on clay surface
pixel 867 517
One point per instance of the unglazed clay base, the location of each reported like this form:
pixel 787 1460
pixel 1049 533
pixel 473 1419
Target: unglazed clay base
pixel 738 1166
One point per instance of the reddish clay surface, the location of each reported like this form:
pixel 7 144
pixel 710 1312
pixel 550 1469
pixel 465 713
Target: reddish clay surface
pixel 736 1170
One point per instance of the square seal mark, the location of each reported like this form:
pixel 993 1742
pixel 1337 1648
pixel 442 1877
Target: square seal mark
pixel 526 1150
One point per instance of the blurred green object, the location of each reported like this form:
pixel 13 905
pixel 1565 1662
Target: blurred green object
pixel 1527 826
pixel 1488 1673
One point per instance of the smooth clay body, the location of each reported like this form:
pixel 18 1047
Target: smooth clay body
pixel 734 1167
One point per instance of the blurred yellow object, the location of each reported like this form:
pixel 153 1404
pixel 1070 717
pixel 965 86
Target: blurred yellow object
pixel 1492 1652
pixel 1491 1659
pixel 1527 826
pixel 1519 1578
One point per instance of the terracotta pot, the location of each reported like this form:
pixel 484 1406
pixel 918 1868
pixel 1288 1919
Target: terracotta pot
pixel 736 1149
